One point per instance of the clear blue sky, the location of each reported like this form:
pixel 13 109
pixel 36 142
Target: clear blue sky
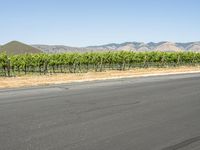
pixel 94 22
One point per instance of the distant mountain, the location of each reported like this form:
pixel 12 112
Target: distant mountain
pixel 15 47
pixel 161 46
pixel 64 49
pixel 128 46
pixel 59 48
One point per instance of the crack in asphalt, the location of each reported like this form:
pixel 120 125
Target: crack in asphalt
pixel 183 143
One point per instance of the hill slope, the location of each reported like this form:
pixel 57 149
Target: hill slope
pixel 16 47
pixel 140 46
pixel 59 48
pixel 130 46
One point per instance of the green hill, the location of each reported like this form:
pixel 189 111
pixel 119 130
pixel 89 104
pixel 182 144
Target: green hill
pixel 16 47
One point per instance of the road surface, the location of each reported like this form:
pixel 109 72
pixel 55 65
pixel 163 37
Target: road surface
pixel 147 113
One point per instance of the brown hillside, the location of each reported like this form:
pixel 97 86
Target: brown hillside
pixel 16 47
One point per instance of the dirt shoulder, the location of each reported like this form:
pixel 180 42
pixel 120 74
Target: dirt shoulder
pixel 35 80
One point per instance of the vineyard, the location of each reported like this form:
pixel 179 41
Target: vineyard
pixel 92 61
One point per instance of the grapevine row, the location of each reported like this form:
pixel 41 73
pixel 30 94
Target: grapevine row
pixel 91 61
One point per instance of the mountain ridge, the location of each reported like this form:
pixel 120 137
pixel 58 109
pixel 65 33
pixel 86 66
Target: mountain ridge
pixel 16 47
pixel 150 45
pixel 129 46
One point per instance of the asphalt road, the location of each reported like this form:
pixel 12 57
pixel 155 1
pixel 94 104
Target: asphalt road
pixel 148 113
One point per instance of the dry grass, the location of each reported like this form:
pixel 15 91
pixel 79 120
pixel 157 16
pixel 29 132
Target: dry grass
pixel 35 80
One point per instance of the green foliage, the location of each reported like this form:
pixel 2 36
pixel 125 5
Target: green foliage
pixel 97 61
pixel 3 59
